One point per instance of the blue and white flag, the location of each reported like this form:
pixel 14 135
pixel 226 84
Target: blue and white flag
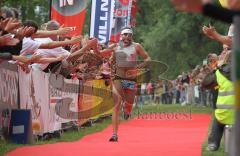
pixel 101 20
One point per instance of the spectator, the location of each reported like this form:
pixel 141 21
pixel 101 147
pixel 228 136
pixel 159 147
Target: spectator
pixel 224 115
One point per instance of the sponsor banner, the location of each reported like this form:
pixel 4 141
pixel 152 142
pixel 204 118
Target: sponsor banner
pixel 134 11
pixel 85 101
pixel 9 93
pixel 95 100
pixel 57 96
pixel 34 96
pixel 101 20
pixel 121 18
pixel 98 99
pixel 41 99
pixel 69 13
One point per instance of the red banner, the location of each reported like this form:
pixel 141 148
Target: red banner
pixel 121 18
pixel 70 13
pixel 134 11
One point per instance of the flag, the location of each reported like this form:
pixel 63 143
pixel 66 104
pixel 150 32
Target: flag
pixel 101 20
pixel 121 18
pixel 134 10
pixel 69 13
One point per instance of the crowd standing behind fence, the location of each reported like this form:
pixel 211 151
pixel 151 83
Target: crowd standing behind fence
pixel 175 93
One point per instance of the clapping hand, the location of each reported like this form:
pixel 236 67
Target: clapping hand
pixel 209 31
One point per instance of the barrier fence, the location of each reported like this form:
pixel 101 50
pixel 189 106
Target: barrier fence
pixel 52 99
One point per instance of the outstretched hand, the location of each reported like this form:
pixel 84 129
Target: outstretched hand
pixel 65 30
pixel 193 6
pixel 209 31
pixel 76 39
pixel 12 24
pixel 23 32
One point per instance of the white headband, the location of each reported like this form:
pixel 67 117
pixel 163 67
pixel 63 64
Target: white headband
pixel 126 31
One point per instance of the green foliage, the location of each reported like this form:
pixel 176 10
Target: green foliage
pixel 37 10
pixel 174 37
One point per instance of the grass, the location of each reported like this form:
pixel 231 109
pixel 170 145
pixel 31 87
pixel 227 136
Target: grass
pixel 167 108
pixel 75 135
pixel 5 147
pixel 219 152
pixel 68 136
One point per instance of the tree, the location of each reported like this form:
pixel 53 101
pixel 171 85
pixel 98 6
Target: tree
pixel 37 10
pixel 174 37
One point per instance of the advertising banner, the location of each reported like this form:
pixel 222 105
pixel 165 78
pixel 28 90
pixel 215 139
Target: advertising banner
pixel 57 95
pixel 9 85
pixel 121 18
pixel 101 20
pixel 41 98
pixel 102 84
pixel 69 13
pixel 34 96
pixel 85 102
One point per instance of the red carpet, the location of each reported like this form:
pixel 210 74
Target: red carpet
pixel 136 138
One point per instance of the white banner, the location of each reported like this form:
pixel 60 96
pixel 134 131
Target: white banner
pixel 56 95
pixel 37 94
pixel 34 95
pixel 9 93
pixel 8 86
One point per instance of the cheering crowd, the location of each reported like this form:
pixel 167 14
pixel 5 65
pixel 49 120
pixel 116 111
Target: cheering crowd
pixel 47 49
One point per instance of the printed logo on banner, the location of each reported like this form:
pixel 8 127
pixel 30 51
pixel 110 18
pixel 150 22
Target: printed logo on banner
pixel 149 73
pixel 121 9
pixel 55 100
pixel 124 2
pixel 70 13
pixel 58 96
pixel 9 88
pixel 69 7
pixel 101 20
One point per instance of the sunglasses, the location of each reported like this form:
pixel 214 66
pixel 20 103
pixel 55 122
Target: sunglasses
pixel 127 34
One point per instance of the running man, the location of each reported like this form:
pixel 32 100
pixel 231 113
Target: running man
pixel 124 85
